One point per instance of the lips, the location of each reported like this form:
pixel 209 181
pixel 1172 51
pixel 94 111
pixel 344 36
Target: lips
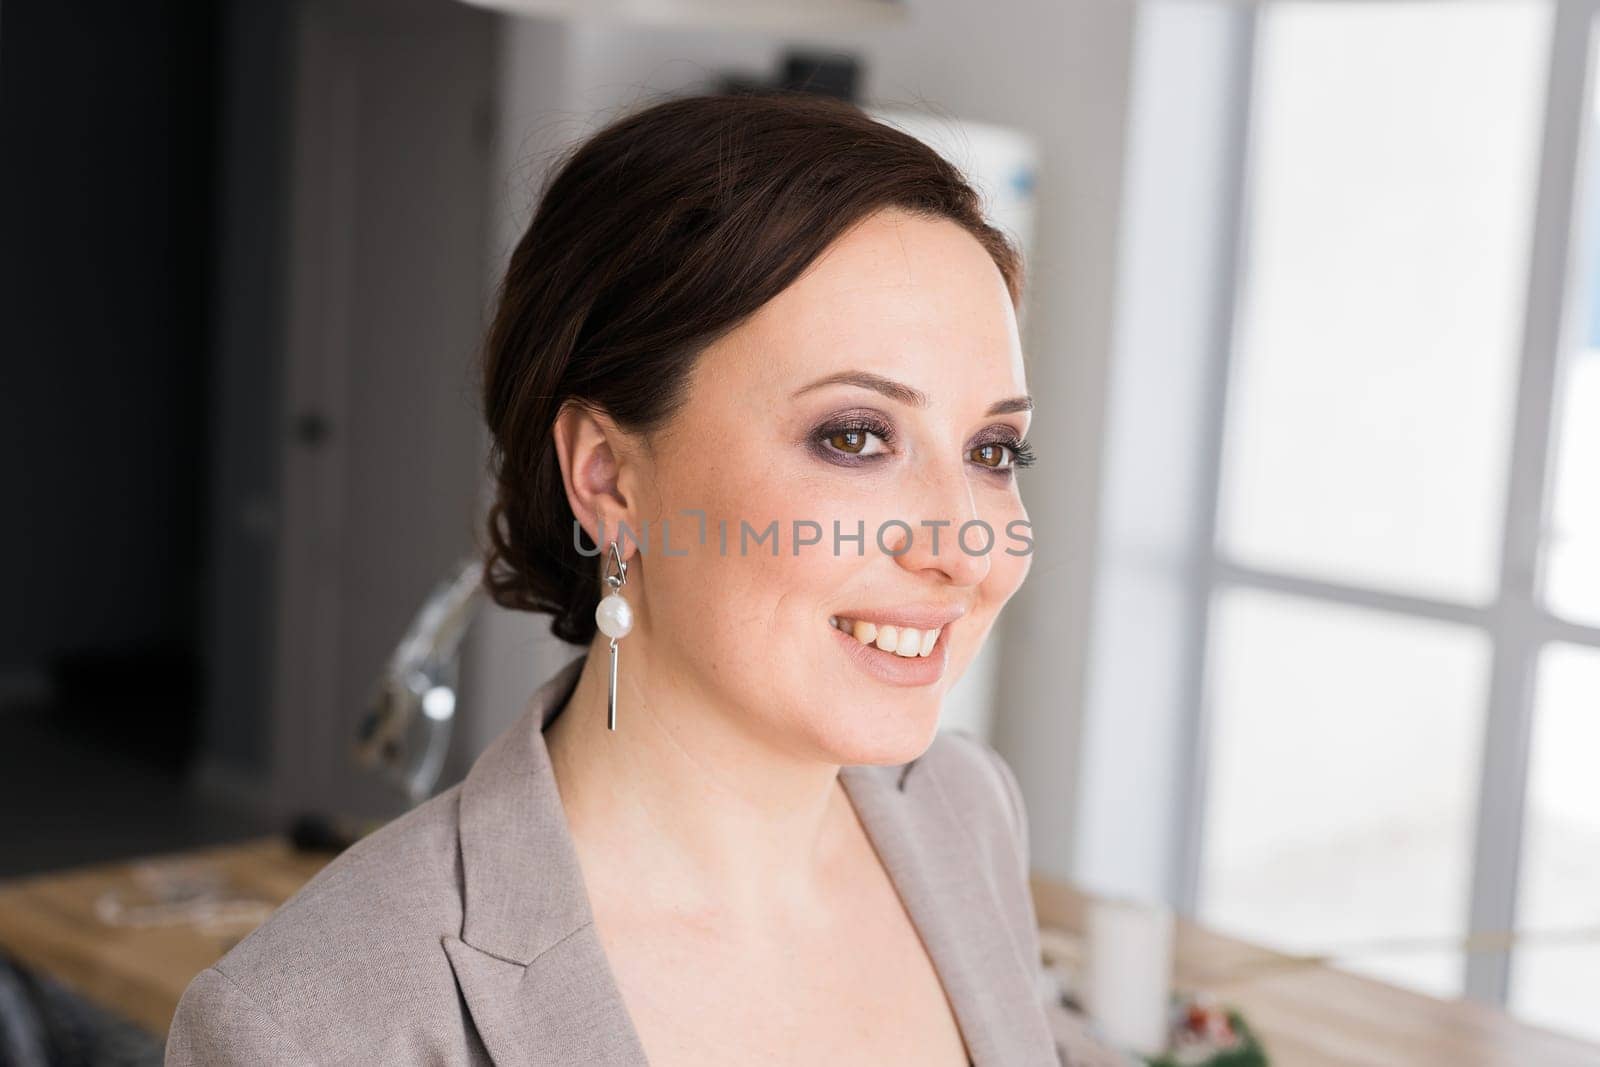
pixel 925 666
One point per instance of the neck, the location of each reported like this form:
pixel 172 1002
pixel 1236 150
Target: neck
pixel 688 804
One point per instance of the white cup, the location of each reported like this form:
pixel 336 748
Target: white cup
pixel 1128 972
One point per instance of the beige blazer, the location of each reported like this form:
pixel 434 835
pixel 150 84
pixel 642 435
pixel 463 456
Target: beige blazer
pixel 461 933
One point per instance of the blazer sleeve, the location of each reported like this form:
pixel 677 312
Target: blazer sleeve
pixel 1077 1043
pixel 217 1024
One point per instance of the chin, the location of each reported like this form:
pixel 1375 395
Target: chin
pixel 888 731
pixel 867 707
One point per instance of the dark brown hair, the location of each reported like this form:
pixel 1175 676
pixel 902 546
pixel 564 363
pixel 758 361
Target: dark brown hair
pixel 655 237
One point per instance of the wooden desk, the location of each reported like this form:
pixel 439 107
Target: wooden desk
pixel 50 923
pixel 1310 1015
pixel 1307 1015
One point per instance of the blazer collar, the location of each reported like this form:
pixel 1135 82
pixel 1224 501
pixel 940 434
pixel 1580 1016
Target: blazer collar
pixel 528 928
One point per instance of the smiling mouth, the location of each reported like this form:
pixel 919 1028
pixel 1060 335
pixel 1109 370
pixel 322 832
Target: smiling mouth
pixel 903 641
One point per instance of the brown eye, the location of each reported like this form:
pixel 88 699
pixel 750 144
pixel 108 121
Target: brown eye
pixel 851 441
pixel 991 455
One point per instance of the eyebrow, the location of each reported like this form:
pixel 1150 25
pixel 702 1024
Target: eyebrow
pixel 905 394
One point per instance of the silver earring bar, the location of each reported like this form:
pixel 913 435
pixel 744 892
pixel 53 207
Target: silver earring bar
pixel 614 626
pixel 611 717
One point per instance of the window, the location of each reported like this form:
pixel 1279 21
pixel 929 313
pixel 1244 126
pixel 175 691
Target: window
pixel 1400 683
pixel 1555 974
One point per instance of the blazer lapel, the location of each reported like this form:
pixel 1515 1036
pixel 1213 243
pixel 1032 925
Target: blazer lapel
pixel 952 900
pixel 529 961
pixel 563 1008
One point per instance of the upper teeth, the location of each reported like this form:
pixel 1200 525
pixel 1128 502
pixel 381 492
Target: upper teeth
pixel 901 640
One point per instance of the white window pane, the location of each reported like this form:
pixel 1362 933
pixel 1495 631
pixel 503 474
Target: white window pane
pixel 1343 763
pixel 1572 533
pixel 1557 982
pixel 1571 577
pixel 1389 213
pixel 1572 539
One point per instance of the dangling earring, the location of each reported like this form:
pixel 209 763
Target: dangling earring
pixel 614 616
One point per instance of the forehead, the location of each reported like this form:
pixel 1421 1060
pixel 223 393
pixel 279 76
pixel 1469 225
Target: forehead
pixel 898 294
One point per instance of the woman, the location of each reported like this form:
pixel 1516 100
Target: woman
pixel 762 352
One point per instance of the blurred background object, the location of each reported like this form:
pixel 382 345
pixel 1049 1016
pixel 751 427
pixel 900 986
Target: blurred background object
pixel 406 732
pixel 769 15
pixel 1310 648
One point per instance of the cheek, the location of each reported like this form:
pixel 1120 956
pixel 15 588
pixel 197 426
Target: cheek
pixel 730 594
pixel 1010 559
pixel 1014 546
pixel 1011 550
pixel 1006 571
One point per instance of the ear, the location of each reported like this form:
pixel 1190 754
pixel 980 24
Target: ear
pixel 595 456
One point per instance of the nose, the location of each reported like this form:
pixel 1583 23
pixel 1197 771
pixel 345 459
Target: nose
pixel 943 538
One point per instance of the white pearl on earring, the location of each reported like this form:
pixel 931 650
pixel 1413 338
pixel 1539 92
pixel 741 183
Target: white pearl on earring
pixel 614 616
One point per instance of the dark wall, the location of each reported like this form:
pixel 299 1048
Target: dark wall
pixel 254 104
pixel 106 237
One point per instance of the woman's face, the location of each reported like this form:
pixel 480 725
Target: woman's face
pixel 884 387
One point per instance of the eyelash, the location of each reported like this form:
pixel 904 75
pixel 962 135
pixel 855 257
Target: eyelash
pixel 1022 454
